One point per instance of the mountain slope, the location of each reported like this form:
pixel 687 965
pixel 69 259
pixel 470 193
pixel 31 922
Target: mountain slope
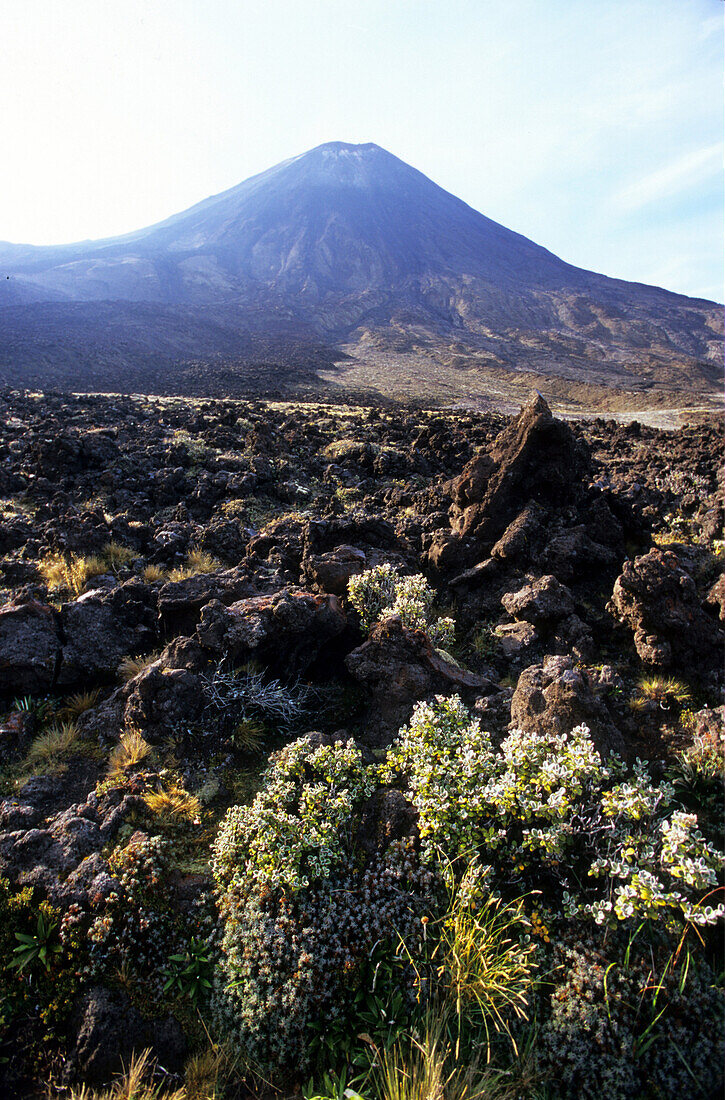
pixel 348 246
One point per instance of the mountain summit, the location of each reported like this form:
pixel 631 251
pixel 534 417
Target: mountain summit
pixel 345 247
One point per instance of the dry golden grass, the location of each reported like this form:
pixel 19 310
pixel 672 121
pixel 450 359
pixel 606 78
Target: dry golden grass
pixel 423 1068
pixel 174 804
pixel 78 704
pixel 197 561
pixel 115 554
pixel 665 691
pixel 206 1074
pixel 70 573
pixel 53 747
pixel 131 666
pixel 130 750
pixel 152 573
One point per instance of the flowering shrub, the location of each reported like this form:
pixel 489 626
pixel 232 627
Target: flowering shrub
pixel 381 591
pixel 296 828
pixel 547 804
pixel 291 961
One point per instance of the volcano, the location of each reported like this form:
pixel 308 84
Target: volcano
pixel 341 266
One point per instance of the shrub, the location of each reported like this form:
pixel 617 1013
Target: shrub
pixel 246 695
pixel 297 827
pixel 616 1027
pixel 297 962
pixel 546 805
pixel 382 591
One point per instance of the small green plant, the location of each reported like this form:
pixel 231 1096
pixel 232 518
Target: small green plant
pixel 40 709
pixel 382 591
pixel 39 946
pixel 188 973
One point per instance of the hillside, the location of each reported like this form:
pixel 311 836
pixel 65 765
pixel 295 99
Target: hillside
pixel 342 249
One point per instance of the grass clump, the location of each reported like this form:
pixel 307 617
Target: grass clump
pixel 116 555
pixel 423 1067
pixel 69 572
pixel 664 692
pixel 53 747
pixel 132 666
pixel 197 561
pixel 130 751
pixel 136 1083
pixel 152 573
pixel 79 703
pixel 174 804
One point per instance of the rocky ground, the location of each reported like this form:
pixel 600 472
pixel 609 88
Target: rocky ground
pixel 177 571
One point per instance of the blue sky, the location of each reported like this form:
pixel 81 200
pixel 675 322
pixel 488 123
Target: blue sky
pixel 594 127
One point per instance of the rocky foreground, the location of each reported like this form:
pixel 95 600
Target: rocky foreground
pixel 177 572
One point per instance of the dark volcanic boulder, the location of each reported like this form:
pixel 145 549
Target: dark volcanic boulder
pixel 164 699
pixel 330 572
pixel 657 599
pixel 286 629
pixel 180 602
pixel 109 1030
pixel 29 647
pixel 99 629
pixel 555 697
pixel 536 458
pixel 398 667
pixel 544 600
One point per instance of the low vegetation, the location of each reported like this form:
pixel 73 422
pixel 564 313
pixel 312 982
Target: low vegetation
pixel 336 823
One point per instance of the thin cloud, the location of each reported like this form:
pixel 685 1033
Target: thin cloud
pixel 680 176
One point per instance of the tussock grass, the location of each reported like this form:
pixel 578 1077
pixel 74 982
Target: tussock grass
pixel 135 1083
pixel 206 1073
pixel 130 751
pixel 79 703
pixel 153 573
pixel 116 555
pixel 70 573
pixel 423 1068
pixel 197 561
pixel 53 747
pixel 664 691
pixel 174 804
pixel 248 735
pixel 131 666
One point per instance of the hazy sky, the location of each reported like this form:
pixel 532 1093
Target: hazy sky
pixel 594 127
